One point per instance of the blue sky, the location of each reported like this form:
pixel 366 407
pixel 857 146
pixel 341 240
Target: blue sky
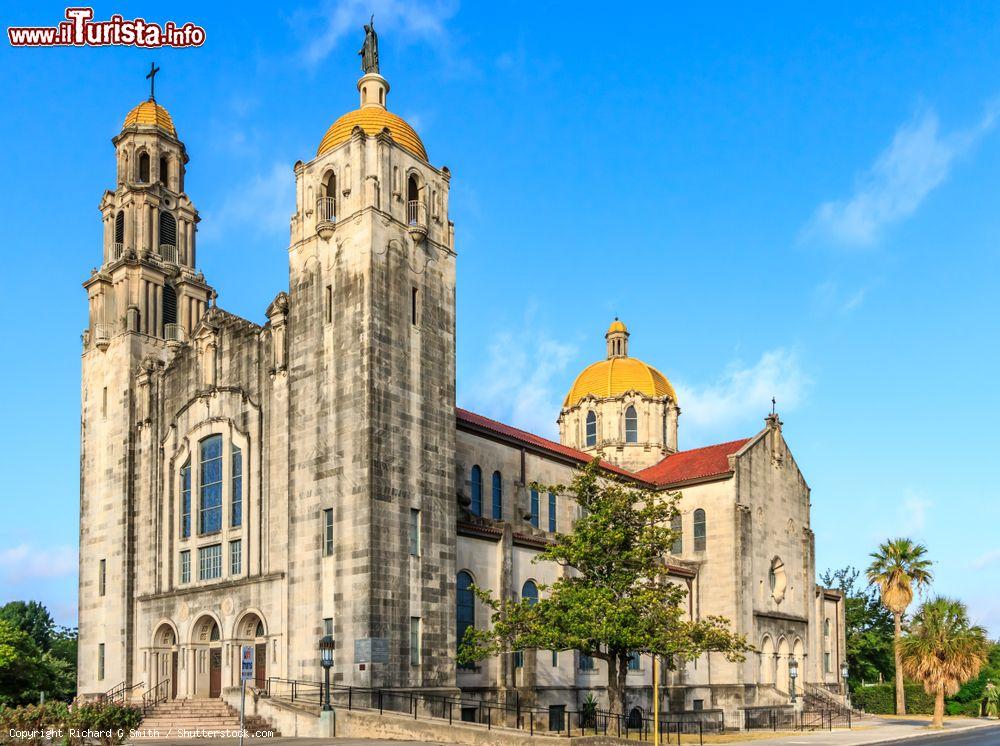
pixel 801 203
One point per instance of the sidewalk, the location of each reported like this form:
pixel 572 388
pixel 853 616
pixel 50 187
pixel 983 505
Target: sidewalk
pixel 882 731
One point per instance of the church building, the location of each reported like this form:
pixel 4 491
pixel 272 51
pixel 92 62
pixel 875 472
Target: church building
pixel 272 484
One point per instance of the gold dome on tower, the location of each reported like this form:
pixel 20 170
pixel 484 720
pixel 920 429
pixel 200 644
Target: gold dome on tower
pixel 151 113
pixel 618 374
pixel 372 119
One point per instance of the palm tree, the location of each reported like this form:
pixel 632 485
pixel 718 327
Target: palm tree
pixel 943 650
pixel 896 568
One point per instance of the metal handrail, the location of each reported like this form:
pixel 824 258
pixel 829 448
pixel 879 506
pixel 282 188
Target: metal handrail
pixel 168 253
pixel 117 250
pixel 326 210
pixel 413 212
pixel 154 695
pixel 102 332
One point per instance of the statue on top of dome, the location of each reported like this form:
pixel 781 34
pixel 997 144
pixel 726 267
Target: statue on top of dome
pixel 369 50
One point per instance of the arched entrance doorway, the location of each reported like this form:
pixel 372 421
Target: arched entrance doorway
pixel 782 666
pixel 250 630
pixel 165 656
pixel 767 661
pixel 208 658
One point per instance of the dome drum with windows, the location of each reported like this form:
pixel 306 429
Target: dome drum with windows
pixel 621 407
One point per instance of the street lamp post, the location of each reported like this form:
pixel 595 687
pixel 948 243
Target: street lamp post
pixel 793 672
pixel 326 648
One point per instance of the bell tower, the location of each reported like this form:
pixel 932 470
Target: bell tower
pixel 144 301
pixel 371 376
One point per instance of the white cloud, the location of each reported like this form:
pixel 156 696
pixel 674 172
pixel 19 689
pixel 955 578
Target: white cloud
pixel 831 297
pixel 742 394
pixel 264 205
pixel 517 385
pixel 26 562
pixel 986 560
pixel 406 20
pixel 918 159
pixel 913 513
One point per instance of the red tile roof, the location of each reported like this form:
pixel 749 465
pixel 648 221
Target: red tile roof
pixel 530 439
pixel 697 463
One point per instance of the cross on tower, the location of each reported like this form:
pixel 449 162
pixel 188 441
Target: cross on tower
pixel 151 77
pixel 774 404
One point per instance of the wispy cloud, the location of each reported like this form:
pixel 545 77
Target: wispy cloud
pixel 25 562
pixel 912 513
pixel 918 160
pixel 831 297
pixel 518 382
pixel 330 23
pixel 263 205
pixel 987 560
pixel 742 394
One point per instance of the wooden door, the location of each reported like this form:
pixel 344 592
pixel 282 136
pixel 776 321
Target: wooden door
pixel 260 665
pixel 215 673
pixel 173 675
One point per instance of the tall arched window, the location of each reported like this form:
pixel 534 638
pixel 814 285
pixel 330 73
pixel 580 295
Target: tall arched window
pixel 210 484
pixel 631 426
pixel 144 168
pixel 120 227
pixel 164 171
pixel 169 304
pixel 412 199
pixel 699 530
pixel 236 466
pixel 465 605
pixel 497 496
pixel 476 480
pixel 328 203
pixel 678 544
pixel 591 428
pixel 826 627
pixel 186 499
pixel 529 592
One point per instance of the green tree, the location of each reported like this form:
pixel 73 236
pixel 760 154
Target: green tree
pixel 614 601
pixel 869 627
pixel 942 650
pixel 21 669
pixel 31 617
pixel 896 568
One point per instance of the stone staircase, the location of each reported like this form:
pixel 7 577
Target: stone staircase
pixel 197 718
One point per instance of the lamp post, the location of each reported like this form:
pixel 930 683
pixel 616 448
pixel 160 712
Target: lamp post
pixel 844 670
pixel 793 672
pixel 326 648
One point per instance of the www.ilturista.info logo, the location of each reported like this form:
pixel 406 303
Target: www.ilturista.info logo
pixel 80 30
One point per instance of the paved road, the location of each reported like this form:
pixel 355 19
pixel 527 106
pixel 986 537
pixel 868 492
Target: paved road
pixel 979 737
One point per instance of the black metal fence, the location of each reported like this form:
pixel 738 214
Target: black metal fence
pixel 556 720
pixel 786 718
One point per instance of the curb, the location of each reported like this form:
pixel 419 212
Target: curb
pixel 944 732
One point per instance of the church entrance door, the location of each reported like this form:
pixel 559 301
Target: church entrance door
pixel 173 675
pixel 260 665
pixel 215 673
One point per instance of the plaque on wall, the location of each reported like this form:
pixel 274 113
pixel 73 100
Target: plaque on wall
pixel 371 650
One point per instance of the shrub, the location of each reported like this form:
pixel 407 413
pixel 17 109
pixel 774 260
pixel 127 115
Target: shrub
pixel 880 699
pixel 113 721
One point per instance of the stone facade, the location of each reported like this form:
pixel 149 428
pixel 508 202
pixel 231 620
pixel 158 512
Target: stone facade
pixel 267 485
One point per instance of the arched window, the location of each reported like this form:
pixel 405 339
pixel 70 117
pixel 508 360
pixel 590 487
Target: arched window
pixel 529 592
pixel 497 496
pixel 412 198
pixel 699 530
pixel 328 203
pixel 120 227
pixel 144 168
pixel 164 170
pixel 236 466
pixel 591 428
pixel 678 544
pixel 631 426
pixel 210 483
pixel 826 627
pixel 168 236
pixel 465 605
pixel 476 479
pixel 635 718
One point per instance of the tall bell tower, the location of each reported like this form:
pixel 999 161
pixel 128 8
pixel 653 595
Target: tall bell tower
pixel 144 300
pixel 371 381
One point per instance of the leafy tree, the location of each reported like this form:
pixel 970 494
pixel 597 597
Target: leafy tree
pixel 869 627
pixel 896 568
pixel 992 696
pixel 26 669
pixel 942 650
pixel 31 617
pixel 614 602
pixel 21 671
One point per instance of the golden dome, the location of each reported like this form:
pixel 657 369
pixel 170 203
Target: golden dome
pixel 615 376
pixel 372 119
pixel 617 326
pixel 150 112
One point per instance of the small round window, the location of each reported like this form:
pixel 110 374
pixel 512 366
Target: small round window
pixel 776 580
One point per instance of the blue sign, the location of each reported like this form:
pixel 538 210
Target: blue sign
pixel 246 663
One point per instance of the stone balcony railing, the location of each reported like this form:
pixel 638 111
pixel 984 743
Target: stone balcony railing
pixel 168 253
